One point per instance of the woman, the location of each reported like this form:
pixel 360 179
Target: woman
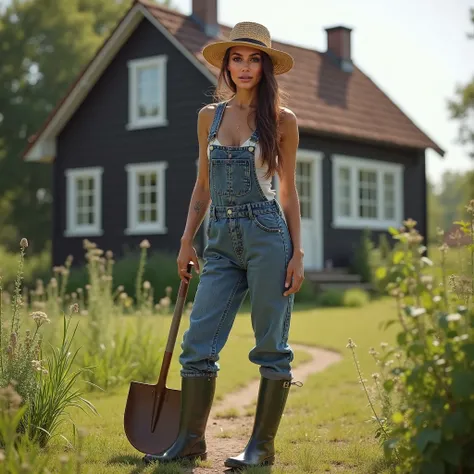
pixel 253 242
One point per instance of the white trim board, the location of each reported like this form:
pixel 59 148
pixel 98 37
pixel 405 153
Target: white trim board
pixel 73 229
pixel 45 149
pixel 133 226
pixel 355 164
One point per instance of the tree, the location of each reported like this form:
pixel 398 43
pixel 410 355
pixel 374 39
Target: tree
pixel 462 108
pixel 43 46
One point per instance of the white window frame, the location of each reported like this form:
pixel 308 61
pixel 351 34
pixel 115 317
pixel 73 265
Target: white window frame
pixel 134 227
pixel 73 229
pixel 355 164
pixel 134 121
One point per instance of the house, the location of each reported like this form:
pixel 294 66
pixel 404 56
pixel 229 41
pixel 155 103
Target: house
pixel 123 145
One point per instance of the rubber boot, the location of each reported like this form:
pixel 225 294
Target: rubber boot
pixel 260 450
pixel 197 394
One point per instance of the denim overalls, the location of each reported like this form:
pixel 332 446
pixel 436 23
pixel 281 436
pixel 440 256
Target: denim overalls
pixel 248 250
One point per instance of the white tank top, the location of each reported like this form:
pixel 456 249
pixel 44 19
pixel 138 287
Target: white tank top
pixel 260 169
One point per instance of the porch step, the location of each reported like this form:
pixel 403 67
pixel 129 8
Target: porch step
pixel 341 286
pixel 332 276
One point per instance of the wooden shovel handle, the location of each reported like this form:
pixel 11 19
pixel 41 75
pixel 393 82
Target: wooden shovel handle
pixel 173 334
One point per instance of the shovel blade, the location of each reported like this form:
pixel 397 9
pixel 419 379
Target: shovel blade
pixel 138 415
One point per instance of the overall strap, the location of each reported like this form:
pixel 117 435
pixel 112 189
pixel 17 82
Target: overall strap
pixel 217 120
pixel 254 137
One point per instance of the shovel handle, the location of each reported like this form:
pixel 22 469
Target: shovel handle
pixel 178 311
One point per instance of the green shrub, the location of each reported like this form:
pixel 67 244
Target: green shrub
pixel 355 297
pixel 331 298
pixel 361 264
pixel 424 412
pixel 36 266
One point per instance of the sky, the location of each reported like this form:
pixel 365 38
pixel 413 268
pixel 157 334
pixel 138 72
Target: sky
pixel 417 52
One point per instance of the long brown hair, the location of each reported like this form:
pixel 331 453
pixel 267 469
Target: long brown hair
pixel 267 119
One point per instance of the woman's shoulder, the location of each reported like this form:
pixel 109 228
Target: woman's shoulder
pixel 287 115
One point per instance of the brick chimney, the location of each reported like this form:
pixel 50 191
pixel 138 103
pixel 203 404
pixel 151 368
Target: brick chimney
pixel 339 46
pixel 205 13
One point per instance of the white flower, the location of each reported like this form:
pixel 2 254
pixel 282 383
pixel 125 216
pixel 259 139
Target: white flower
pixel 40 318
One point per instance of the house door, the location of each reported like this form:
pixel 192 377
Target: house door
pixel 309 185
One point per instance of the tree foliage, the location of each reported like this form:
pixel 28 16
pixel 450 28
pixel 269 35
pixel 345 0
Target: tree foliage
pixel 43 45
pixel 462 107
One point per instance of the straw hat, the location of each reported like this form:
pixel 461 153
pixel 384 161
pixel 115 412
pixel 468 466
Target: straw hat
pixel 247 33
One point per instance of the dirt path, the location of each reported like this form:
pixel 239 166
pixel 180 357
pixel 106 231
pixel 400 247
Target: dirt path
pixel 227 435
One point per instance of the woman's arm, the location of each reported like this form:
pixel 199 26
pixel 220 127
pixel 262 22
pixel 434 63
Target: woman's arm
pixel 200 197
pixel 289 198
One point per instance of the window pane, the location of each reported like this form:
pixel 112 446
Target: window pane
pixel 142 215
pixel 152 214
pixel 344 192
pixel 367 194
pixel 141 180
pixel 304 186
pixel 389 195
pixel 148 91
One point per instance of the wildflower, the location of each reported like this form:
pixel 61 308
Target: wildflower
pixel 2 455
pixel 40 318
pixel 69 260
pixel 375 376
pixel 384 345
pixel 165 302
pixel 57 269
pixel 168 291
pixel 410 223
pixel 74 308
pixel 439 231
pixel 79 290
pixel 36 364
pixel 13 339
pixel 373 352
pixel 470 206
pixel 120 288
pixel 53 282
pixel 109 254
pixel 351 344
pixel 453 317
pixel 84 312
pixel 9 398
pixel 88 287
pixel 146 285
pixel 443 248
pixel 145 244
pixel 123 295
pixel 23 243
pixel 64 459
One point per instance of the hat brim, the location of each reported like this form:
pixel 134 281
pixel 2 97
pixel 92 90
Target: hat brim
pixel 214 54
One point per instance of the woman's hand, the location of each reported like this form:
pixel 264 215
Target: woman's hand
pixel 187 253
pixel 294 274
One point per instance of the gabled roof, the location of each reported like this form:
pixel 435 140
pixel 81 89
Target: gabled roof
pixel 325 99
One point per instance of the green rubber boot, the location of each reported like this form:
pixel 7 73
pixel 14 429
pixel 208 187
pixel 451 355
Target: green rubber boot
pixel 197 394
pixel 260 450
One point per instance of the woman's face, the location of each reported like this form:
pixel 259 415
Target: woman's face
pixel 245 66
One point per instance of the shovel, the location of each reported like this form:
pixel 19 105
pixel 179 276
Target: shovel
pixel 152 412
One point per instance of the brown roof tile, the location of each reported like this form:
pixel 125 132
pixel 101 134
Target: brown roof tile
pixel 324 98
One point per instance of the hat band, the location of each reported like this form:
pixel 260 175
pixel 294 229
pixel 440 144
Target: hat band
pixel 251 40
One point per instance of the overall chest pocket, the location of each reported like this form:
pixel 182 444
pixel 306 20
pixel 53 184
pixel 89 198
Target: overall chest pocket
pixel 231 177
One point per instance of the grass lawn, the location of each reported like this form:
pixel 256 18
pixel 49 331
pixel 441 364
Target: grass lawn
pixel 325 428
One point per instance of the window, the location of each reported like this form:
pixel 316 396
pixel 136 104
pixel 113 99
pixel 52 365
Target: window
pixel 147 92
pixel 84 201
pixel 367 193
pixel 304 186
pixel 146 198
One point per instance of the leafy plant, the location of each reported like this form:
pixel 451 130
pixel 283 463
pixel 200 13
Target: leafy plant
pixel 427 403
pixel 43 380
